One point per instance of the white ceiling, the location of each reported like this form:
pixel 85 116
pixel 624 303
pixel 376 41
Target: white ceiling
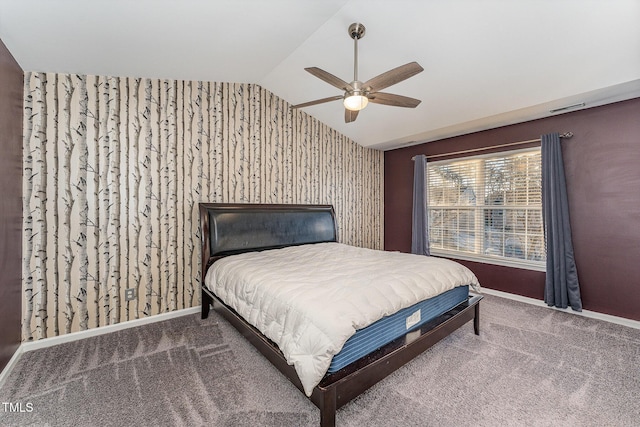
pixel 487 62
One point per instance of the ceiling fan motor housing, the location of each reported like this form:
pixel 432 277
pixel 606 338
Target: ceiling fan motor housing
pixel 356 30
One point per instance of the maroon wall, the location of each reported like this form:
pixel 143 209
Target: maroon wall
pixel 11 87
pixel 602 166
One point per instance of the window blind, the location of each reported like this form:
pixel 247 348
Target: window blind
pixel 488 207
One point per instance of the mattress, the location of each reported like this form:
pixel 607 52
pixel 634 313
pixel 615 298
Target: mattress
pixel 387 329
pixel 310 299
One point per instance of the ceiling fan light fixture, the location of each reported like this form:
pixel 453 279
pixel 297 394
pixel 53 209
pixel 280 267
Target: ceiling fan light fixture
pixel 355 102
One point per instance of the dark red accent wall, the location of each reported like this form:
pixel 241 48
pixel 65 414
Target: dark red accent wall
pixel 602 166
pixel 11 87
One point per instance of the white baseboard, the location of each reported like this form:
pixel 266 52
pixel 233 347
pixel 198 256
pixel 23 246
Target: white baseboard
pixel 74 336
pixel 585 313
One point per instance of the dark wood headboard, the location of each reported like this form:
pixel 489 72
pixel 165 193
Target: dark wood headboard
pixel 232 228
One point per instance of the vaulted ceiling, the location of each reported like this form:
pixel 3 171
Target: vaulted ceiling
pixel 486 63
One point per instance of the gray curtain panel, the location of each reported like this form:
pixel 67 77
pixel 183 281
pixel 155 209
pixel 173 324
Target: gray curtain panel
pixel 420 224
pixel 561 285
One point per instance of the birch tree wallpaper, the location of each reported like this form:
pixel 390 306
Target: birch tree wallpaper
pixel 114 169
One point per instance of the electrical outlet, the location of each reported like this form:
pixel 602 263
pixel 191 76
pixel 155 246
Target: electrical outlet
pixel 130 294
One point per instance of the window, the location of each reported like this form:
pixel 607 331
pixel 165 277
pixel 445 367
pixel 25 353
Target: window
pixel 488 208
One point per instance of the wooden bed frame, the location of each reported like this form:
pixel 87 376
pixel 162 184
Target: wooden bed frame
pixel 229 229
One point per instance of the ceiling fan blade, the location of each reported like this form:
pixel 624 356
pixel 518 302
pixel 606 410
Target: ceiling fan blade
pixel 394 100
pixel 392 77
pixel 317 101
pixel 329 78
pixel 350 116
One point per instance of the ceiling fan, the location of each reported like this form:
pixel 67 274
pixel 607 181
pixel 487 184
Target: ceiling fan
pixel 358 94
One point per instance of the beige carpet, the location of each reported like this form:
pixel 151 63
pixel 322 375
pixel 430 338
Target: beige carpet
pixel 529 367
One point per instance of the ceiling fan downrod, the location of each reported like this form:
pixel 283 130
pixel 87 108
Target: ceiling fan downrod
pixel 356 32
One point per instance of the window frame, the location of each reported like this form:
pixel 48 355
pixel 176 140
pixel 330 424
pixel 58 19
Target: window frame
pixel 485 259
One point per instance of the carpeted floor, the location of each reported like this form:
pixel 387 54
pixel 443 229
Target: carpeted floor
pixel 530 367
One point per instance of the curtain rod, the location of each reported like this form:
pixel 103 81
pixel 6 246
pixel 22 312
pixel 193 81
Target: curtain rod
pixel 565 135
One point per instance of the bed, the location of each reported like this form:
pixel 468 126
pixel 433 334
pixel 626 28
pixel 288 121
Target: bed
pixel 260 236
